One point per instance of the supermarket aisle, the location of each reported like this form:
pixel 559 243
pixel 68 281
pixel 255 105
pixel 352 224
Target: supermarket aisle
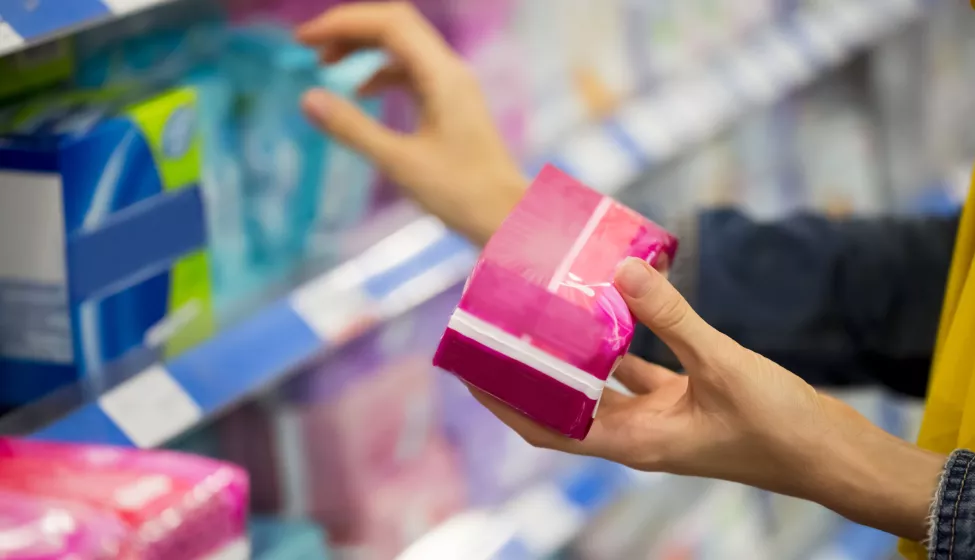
pixel 186 264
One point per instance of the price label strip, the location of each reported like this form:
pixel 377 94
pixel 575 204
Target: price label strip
pixel 10 40
pixel 151 408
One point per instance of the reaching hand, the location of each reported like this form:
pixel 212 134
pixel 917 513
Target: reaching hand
pixel 455 164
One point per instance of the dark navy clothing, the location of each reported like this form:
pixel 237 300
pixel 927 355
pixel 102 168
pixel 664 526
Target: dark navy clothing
pixel 838 302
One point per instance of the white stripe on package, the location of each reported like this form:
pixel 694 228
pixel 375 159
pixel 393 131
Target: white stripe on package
pixel 563 270
pixel 498 340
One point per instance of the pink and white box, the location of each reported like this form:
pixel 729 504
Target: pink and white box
pixel 540 325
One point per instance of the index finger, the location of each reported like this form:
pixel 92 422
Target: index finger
pixel 540 436
pixel 395 26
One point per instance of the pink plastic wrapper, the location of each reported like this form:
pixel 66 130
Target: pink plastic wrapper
pixel 171 505
pixel 540 325
pixel 33 528
pixel 405 506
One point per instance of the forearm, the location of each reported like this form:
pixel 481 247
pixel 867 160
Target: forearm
pixel 870 476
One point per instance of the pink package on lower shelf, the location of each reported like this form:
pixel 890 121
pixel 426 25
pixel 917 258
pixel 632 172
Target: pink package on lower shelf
pixel 33 528
pixel 172 505
pixel 540 325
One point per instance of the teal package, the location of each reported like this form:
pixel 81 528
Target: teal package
pixel 102 242
pixel 149 52
pixel 234 281
pixel 348 178
pixel 274 539
pixel 281 154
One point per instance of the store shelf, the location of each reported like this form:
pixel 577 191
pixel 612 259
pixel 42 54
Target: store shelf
pixel 165 400
pixel 856 542
pixel 535 524
pixel 768 67
pixel 24 23
pixel 545 518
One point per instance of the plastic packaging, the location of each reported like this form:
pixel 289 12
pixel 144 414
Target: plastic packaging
pixel 540 325
pixel 33 528
pixel 171 505
pixel 336 430
pixel 221 182
pixel 348 179
pixel 281 153
pixel 406 506
pixel 497 462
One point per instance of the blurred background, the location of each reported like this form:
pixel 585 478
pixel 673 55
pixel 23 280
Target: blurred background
pixel 197 269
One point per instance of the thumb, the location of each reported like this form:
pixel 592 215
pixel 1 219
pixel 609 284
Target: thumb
pixel 343 120
pixel 659 306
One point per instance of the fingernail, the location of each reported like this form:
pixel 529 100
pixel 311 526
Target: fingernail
pixel 633 278
pixel 316 103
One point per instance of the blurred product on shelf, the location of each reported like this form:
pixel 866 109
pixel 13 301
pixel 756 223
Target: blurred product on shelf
pixel 540 306
pixel 130 504
pixel 36 528
pixel 147 52
pixel 274 539
pixel 407 505
pixel 279 193
pixel 281 152
pixel 36 69
pixel 837 150
pixel 696 105
pixel 348 178
pixel 497 462
pixel 357 443
pixel 221 180
pixel 105 238
pixel 815 151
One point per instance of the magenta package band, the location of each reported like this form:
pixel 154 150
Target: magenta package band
pixel 540 325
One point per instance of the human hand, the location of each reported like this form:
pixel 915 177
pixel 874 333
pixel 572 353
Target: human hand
pixel 738 416
pixel 455 164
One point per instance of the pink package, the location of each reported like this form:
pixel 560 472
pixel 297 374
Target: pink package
pixel 34 528
pixel 172 505
pixel 361 414
pixel 540 325
pixel 402 508
pixel 497 463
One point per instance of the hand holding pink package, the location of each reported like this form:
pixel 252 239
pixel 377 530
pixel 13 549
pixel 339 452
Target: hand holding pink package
pixel 540 325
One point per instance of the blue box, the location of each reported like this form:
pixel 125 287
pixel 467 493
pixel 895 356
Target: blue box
pixel 102 240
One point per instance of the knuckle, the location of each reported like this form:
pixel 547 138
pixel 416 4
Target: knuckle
pixel 461 79
pixel 671 313
pixel 402 11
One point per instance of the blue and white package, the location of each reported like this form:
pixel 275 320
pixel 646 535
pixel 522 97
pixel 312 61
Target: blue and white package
pixel 280 152
pixel 349 178
pixel 102 243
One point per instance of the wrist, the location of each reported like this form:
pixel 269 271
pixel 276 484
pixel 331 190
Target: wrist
pixel 868 475
pixel 486 217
